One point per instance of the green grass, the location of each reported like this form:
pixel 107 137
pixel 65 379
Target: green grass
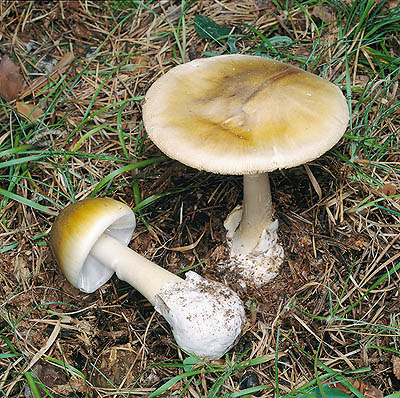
pixel 47 164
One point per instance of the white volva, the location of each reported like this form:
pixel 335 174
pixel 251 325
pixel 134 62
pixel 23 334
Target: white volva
pixel 206 317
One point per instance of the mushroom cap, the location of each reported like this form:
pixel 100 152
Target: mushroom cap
pixel 239 114
pixel 75 231
pixel 206 317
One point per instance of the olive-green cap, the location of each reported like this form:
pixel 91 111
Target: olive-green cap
pixel 76 230
pixel 240 114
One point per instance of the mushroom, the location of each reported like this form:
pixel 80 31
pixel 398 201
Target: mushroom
pixel 89 241
pixel 245 115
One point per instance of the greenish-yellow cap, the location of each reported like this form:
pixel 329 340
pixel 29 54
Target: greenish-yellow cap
pixel 239 114
pixel 75 231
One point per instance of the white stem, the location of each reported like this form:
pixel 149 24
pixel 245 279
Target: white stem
pixel 145 276
pixel 257 213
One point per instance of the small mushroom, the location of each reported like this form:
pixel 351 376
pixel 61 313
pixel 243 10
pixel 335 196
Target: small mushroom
pixel 245 115
pixel 89 241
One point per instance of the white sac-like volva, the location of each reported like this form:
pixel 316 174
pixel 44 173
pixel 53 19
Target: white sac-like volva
pixel 261 265
pixel 206 317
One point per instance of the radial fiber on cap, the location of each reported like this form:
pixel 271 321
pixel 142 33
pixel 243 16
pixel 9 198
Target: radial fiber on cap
pixel 238 114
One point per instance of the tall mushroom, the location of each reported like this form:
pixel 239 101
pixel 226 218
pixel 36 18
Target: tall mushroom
pixel 89 241
pixel 246 115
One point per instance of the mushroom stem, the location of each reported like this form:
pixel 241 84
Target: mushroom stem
pixel 142 274
pixel 206 317
pixel 89 240
pixel 256 214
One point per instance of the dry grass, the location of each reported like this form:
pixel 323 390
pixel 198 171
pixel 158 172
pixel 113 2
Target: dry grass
pixel 332 316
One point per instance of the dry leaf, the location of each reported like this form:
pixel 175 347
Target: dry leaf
pixel 73 5
pixel 365 389
pixel 396 366
pixel 11 80
pixel 82 31
pixel 322 13
pixel 64 61
pixel 361 80
pixel 21 269
pixel 188 247
pixel 388 189
pixel 30 111
pixel 42 81
pixel 390 3
pixel 371 392
pixel 314 181
pixel 45 348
